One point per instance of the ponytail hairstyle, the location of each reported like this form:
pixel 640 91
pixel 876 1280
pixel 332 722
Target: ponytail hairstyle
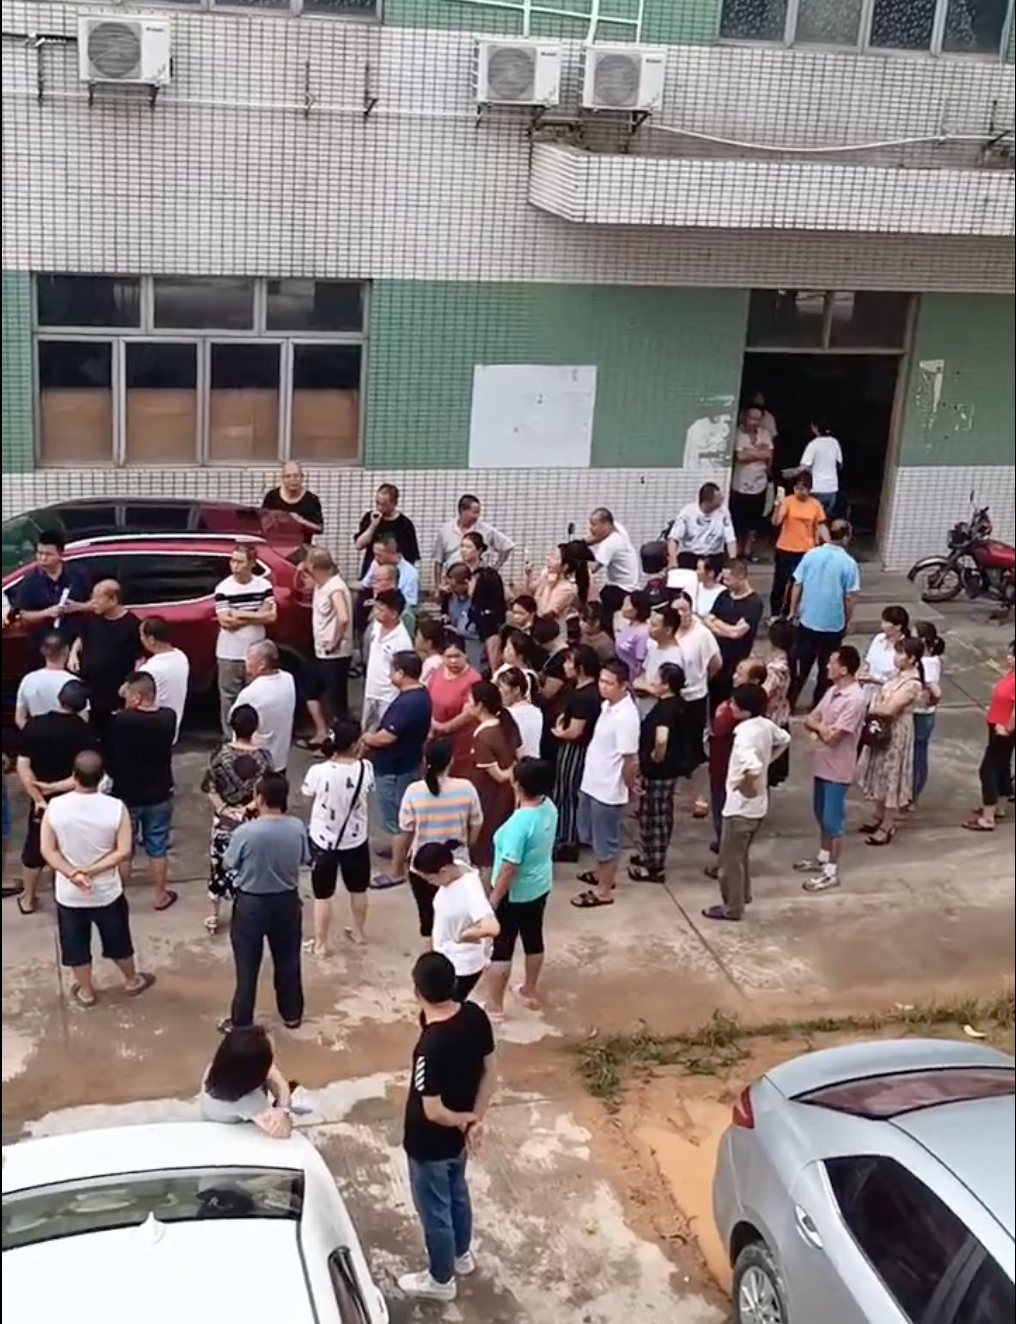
pixel 433 856
pixel 342 738
pixel 913 647
pixel 516 679
pixel 934 644
pixel 488 696
pixel 575 564
pixel 898 616
pixel 437 760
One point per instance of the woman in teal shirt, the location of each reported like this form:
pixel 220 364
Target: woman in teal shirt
pixel 523 875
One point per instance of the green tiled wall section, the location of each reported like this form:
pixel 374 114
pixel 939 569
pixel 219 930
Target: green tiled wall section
pixel 665 22
pixel 18 448
pixel 664 358
pixel 959 406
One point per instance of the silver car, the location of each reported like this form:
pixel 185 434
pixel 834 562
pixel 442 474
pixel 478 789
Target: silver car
pixel 873 1184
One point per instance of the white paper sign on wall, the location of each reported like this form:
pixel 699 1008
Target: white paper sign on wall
pixel 531 416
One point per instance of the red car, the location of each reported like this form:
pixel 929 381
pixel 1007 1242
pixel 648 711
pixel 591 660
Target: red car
pixel 175 577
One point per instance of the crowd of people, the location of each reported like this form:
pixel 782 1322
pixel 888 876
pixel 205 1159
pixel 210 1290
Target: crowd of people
pixel 505 727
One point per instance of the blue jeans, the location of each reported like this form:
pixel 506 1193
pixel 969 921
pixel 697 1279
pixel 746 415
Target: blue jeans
pixel 389 788
pixel 829 502
pixel 829 801
pixel 151 825
pixel 441 1198
pixel 924 724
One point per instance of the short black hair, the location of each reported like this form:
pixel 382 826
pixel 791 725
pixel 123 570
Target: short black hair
pixel 244 720
pixel 672 675
pixel 526 601
pixel 615 667
pixel 144 683
pixel 587 660
pixel 73 697
pixel 88 769
pixel 157 628
pixel 545 630
pixel 385 540
pixel 273 789
pixel 392 599
pixel 805 479
pixel 434 978
pixel 708 492
pixel 390 490
pixel 841 530
pixel 241 1063
pixel 751 699
pixel 51 538
pixel 850 658
pixel 409 663
pixel 668 615
pixel 602 513
pixel 466 500
pixel 898 616
pixel 782 634
pixel 535 777
pixel 53 646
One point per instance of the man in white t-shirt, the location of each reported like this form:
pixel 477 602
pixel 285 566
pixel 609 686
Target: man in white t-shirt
pixel 614 552
pixel 753 459
pixel 386 637
pixel 702 530
pixel 823 458
pixel 607 781
pixel 662 648
pixel 167 665
pixel 244 606
pixel 272 694
pixel 331 613
pixel 86 839
pixel 39 690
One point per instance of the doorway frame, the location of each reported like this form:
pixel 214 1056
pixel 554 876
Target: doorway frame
pixel 894 440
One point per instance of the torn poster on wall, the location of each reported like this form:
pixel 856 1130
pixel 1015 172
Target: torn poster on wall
pixel 532 416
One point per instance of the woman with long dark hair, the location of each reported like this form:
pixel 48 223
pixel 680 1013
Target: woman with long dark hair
pixel 488 597
pixel 573 731
pixel 439 807
pixel 243 1084
pixel 885 773
pixel 496 742
pixel 555 587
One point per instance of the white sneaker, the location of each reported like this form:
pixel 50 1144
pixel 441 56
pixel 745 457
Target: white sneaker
pixel 422 1284
pixel 823 882
pixel 465 1264
pixel 809 866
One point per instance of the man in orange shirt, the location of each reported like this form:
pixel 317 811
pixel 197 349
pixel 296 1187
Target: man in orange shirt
pixel 801 520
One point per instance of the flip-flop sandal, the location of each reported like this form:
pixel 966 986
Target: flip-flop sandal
pixel 868 829
pixel 312 746
pixel 171 899
pixel 587 876
pixel 211 924
pixel 590 901
pixel 353 937
pixel 640 874
pixel 382 882
pixel 78 994
pixel 975 825
pixel 881 837
pixel 718 912
pixel 147 980
pixel 26 907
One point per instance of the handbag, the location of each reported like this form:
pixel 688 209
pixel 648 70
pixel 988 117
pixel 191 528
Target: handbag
pixel 876 733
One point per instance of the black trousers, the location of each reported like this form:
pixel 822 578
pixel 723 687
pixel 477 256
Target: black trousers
pixel 813 647
pixel 995 770
pixel 784 565
pixel 275 918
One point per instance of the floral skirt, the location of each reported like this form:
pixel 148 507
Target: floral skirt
pixel 221 881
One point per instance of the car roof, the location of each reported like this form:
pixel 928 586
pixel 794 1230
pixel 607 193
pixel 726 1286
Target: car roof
pixel 237 1269
pixel 976 1140
pixel 879 1057
pixel 83 503
pixel 154 1147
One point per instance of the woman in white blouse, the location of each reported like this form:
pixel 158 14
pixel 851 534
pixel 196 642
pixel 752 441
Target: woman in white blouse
pixel 880 659
pixel 924 713
pixel 700 658
pixel 514 686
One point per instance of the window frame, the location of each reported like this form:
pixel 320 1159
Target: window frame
pixel 148 333
pixel 285 8
pixel 863 44
pixel 826 345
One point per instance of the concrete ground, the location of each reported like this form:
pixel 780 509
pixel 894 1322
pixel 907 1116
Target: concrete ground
pixel 566 1232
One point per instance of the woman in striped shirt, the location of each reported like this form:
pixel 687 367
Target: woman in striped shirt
pixel 438 808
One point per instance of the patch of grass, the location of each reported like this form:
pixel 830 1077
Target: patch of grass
pixel 715 1048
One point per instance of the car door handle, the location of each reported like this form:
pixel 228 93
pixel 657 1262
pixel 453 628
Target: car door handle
pixel 807 1228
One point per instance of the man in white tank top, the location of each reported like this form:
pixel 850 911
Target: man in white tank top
pixel 85 839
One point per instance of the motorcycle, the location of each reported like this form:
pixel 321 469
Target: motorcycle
pixel 977 565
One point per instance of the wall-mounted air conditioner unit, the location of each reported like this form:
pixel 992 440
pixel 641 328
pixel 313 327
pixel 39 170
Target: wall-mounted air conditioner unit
pixel 131 51
pixel 624 78
pixel 518 73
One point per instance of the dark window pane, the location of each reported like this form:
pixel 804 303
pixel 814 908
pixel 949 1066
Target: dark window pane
pixel 89 520
pixel 314 305
pixel 243 418
pixel 220 303
pixel 98 568
pixel 75 401
pixel 753 20
pixel 157 517
pixel 158 580
pixel 340 6
pixel 162 403
pixel 88 300
pixel 325 419
pixel 903 25
pixel 869 319
pixel 990 1299
pixel 786 318
pixel 828 22
pixel 974 26
pixel 906 1232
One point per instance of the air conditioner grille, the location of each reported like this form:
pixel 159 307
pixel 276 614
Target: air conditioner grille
pixel 114 50
pixel 511 73
pixel 616 81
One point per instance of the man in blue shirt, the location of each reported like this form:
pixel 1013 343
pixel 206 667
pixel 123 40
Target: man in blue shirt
pixel 386 552
pixel 52 593
pixel 825 588
pixel 397 746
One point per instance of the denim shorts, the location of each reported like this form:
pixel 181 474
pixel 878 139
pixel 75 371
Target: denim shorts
pixel 389 788
pixel 830 804
pixel 150 825
pixel 600 827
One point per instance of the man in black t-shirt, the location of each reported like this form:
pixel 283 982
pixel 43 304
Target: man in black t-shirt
pixel 139 759
pixel 49 745
pixel 106 651
pixel 734 619
pixel 450 1089
pixel 293 497
pixel 386 521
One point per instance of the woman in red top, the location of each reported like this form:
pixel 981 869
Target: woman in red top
pixel 995 771
pixel 451 717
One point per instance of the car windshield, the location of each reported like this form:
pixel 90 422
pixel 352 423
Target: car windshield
pixel 882 1098
pixel 19 538
pixel 103 1204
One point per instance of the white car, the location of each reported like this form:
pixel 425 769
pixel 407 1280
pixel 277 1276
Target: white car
pixel 179 1221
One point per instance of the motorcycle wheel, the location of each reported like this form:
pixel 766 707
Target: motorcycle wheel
pixel 940 582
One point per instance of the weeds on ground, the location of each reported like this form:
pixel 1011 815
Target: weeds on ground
pixel 715 1048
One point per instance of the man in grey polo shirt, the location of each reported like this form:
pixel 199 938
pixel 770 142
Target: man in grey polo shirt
pixel 448 542
pixel 265 857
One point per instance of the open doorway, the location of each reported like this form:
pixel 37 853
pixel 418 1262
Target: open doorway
pixel 855 395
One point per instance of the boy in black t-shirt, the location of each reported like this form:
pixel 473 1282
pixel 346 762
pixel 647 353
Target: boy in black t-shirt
pixel 450 1089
